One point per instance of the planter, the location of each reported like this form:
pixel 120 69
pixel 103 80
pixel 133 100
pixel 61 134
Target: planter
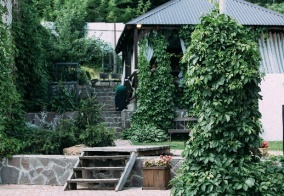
pixel 264 151
pixel 156 178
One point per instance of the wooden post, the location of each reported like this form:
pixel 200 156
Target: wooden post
pixel 283 128
pixel 222 6
pixel 135 49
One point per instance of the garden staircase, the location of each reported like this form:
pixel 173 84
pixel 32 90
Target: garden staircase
pixel 100 169
pixel 105 96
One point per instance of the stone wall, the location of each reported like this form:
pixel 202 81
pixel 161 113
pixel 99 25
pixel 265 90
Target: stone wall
pixel 55 170
pixel 36 169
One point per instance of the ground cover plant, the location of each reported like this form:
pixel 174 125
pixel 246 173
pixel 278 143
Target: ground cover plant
pixel 222 157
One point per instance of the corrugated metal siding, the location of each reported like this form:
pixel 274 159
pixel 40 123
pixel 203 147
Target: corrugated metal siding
pixel 177 12
pixel 271 48
pixel 251 14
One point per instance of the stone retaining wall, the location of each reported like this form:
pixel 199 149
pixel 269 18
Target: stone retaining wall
pixel 55 169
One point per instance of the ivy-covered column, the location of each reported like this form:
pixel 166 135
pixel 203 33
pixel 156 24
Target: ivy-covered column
pixel 155 105
pixel 221 157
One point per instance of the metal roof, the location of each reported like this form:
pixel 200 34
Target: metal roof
pixel 178 12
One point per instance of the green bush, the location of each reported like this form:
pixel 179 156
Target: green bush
pixel 98 135
pixel 63 99
pixel 146 133
pixel 82 77
pixel 222 157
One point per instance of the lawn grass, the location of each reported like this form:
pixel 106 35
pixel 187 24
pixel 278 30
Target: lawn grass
pixel 275 145
pixel 173 144
pixel 179 144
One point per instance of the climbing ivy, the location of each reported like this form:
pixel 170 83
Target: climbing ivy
pixel 186 100
pixel 9 98
pixel 155 104
pixel 31 42
pixel 221 157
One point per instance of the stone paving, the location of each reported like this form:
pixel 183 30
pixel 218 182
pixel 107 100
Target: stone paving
pixel 45 190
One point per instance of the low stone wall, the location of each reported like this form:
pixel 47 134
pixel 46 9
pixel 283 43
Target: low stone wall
pixel 37 169
pixel 55 169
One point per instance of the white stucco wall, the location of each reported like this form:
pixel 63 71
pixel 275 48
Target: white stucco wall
pixel 105 31
pixel 272 90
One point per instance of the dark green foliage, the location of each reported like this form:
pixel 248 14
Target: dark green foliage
pixel 92 131
pixel 116 11
pixel 221 157
pixel 38 141
pixel 64 99
pixel 11 120
pixel 98 135
pixel 89 113
pixel 86 129
pixel 279 7
pixel 155 91
pixel 31 40
pixel 146 133
pixel 120 98
pixel 155 88
pixel 83 78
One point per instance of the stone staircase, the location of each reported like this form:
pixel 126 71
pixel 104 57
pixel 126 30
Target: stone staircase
pixel 105 96
pixel 101 168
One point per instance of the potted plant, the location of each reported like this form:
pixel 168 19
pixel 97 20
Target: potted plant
pixel 157 173
pixel 264 147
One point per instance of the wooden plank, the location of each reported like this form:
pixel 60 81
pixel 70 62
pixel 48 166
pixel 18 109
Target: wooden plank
pixel 126 172
pixel 105 157
pixel 98 168
pixel 66 187
pixel 109 180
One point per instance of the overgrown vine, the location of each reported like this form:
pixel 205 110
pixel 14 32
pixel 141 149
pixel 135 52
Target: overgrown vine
pixel 10 110
pixel 31 42
pixel 221 157
pixel 155 105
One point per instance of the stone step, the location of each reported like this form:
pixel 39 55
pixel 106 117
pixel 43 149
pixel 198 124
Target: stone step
pixel 98 168
pixel 113 124
pixel 104 89
pixel 80 180
pixel 101 94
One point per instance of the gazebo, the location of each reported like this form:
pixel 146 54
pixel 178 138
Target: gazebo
pixel 176 13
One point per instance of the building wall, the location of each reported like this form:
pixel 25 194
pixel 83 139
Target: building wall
pixel 272 90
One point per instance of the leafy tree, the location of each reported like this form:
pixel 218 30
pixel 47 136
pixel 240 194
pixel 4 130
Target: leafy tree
pixel 31 41
pixel 221 157
pixel 279 7
pixel 10 110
